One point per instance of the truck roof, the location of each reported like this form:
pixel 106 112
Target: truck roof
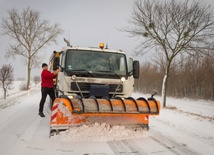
pixel 93 49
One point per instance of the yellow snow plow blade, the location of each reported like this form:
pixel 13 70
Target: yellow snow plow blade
pixel 68 112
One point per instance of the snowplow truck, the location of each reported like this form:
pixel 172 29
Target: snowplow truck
pixel 95 85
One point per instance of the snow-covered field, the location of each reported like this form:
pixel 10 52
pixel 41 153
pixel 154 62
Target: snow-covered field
pixel 14 91
pixel 186 127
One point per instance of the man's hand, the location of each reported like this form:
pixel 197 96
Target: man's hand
pixel 57 71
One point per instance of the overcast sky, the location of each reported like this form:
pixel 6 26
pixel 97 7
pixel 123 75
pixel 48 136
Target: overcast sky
pixel 85 23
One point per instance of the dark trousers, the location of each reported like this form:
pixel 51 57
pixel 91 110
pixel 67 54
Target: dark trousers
pixel 45 92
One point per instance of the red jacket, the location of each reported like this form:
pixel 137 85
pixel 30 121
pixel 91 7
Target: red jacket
pixel 47 79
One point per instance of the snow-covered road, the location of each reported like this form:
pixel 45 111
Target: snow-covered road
pixel 23 132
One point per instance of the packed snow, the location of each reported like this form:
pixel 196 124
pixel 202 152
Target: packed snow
pixel 98 133
pixel 185 126
pixel 196 113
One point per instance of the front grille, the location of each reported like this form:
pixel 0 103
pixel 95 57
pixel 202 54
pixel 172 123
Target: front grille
pixel 86 87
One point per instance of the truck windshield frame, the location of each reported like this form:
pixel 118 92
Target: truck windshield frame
pixel 95 63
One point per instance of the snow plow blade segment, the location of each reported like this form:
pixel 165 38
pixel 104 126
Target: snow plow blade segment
pixel 129 112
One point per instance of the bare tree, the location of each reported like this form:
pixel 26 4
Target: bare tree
pixel 171 28
pixel 6 78
pixel 30 34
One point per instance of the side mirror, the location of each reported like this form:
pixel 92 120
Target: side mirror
pixel 56 63
pixel 136 69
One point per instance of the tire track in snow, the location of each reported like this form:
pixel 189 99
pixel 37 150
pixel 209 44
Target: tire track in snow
pixel 18 126
pixel 173 140
pixel 124 147
pixel 172 146
pixel 25 138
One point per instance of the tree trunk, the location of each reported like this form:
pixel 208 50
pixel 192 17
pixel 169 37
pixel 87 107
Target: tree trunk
pixel 164 86
pixel 5 93
pixel 164 90
pixel 28 73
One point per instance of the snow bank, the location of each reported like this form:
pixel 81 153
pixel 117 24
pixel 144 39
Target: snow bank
pixel 14 93
pixel 195 107
pixel 98 133
pixel 15 89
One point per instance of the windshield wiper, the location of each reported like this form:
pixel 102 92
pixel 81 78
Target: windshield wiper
pixel 106 71
pixel 83 70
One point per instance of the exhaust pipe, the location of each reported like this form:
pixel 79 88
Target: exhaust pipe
pixel 67 42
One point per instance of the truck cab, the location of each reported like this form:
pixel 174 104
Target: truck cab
pixel 94 71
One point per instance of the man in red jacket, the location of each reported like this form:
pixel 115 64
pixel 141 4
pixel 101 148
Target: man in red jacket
pixel 47 87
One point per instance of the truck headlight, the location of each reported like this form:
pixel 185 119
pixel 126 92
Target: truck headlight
pixel 122 79
pixel 73 77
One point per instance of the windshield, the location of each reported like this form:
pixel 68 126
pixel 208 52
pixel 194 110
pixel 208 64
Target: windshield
pixel 95 62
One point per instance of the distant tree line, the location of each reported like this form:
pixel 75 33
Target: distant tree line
pixel 192 78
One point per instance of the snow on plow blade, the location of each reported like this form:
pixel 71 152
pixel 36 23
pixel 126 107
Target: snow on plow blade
pixel 68 112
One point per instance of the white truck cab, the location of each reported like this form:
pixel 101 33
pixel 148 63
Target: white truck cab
pixel 94 71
